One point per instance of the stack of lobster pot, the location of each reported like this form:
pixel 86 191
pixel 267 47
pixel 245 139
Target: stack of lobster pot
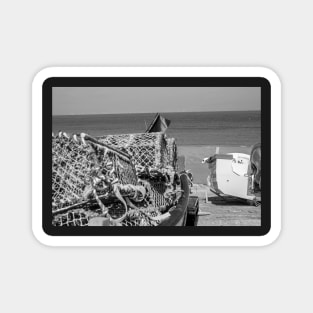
pixel 119 179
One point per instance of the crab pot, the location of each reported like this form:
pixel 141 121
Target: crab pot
pixel 146 149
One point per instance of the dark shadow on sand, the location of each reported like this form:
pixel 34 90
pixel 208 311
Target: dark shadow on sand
pixel 227 200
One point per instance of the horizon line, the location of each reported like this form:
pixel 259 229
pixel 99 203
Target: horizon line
pixel 156 112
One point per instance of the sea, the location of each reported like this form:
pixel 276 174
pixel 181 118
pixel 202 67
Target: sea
pixel 231 128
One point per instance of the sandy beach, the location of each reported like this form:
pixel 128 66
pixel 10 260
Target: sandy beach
pixel 216 211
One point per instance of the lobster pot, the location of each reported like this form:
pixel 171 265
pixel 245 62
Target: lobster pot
pixel 157 191
pixel 146 149
pixel 82 216
pixel 172 152
pixel 77 162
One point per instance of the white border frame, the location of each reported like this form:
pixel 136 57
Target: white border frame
pixel 156 72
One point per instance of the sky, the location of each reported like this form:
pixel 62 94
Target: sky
pixel 114 100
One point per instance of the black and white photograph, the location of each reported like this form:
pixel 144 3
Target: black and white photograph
pixel 156 156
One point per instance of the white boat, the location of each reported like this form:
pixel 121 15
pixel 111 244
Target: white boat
pixel 229 175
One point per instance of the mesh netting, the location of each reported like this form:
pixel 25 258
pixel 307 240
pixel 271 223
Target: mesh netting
pixel 172 152
pixel 158 198
pixel 157 194
pixel 142 217
pixel 77 163
pixel 80 217
pixel 146 149
pixel 98 178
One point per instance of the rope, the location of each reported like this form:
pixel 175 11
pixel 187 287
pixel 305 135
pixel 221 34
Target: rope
pixel 101 205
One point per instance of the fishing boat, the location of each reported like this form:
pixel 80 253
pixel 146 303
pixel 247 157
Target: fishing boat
pixel 230 175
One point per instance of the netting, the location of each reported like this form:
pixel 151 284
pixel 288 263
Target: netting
pixel 172 152
pixel 158 194
pixel 80 217
pixel 143 213
pixel 81 164
pixel 146 149
pixel 126 178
